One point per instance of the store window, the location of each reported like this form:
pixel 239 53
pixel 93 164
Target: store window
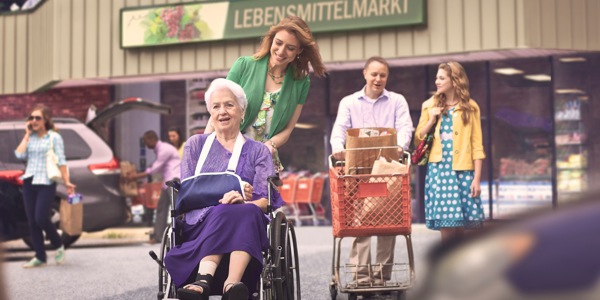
pixel 522 131
pixel 576 86
pixel 537 116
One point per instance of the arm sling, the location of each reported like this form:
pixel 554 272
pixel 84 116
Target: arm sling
pixel 206 189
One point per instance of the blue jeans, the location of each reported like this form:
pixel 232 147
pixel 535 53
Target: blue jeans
pixel 38 200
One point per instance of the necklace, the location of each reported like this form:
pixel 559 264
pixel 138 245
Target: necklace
pixel 277 79
pixel 451 105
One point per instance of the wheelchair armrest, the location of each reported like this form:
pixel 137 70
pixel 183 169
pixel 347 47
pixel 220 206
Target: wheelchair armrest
pixel 275 180
pixel 175 183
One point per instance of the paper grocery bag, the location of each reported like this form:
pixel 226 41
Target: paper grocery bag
pixel 373 209
pixel 71 217
pixel 361 161
pixel 128 188
pixel 383 166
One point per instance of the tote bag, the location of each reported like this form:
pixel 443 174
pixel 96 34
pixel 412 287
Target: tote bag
pixel 206 189
pixel 420 155
pixel 52 164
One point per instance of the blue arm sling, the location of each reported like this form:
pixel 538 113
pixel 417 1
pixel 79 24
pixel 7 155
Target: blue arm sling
pixel 206 189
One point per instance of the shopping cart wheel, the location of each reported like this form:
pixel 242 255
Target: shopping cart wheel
pixel 333 291
pixel 352 296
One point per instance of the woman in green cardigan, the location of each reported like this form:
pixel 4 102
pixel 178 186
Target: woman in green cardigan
pixel 276 82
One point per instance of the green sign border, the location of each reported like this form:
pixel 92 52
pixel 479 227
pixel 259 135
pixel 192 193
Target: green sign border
pixel 193 22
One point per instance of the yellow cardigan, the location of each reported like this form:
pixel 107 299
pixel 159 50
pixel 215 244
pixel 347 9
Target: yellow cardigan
pixel 467 140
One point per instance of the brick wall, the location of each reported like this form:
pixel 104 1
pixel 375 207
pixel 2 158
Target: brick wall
pixel 64 102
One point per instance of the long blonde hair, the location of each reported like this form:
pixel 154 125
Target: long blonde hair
pixel 460 83
pixel 310 50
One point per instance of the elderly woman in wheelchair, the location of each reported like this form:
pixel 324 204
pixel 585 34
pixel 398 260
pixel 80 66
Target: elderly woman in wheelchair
pixel 223 244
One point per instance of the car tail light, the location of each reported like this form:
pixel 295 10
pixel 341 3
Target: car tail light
pixel 111 167
pixel 131 99
pixel 12 176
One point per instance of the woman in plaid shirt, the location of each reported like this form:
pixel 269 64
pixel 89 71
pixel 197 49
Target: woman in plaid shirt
pixel 38 190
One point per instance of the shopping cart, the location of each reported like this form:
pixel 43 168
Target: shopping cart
pixel 308 192
pixel 149 193
pixel 370 205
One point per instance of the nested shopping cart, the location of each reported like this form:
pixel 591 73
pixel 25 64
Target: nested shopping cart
pixel 370 205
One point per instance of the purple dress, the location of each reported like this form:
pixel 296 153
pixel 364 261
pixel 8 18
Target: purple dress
pixel 222 229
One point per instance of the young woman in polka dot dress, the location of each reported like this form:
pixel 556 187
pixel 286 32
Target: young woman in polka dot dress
pixel 452 185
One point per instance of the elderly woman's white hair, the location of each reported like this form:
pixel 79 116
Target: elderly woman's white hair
pixel 222 83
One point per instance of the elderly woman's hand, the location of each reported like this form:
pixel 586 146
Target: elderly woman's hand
pixel 232 197
pixel 248 190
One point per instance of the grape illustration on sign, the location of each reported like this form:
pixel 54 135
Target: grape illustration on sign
pixel 172 24
pixel 175 24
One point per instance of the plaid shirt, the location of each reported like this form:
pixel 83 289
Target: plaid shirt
pixel 35 154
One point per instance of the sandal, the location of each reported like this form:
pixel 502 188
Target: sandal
pixel 203 281
pixel 237 291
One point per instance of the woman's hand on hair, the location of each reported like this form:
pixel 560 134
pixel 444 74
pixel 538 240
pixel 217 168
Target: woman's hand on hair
pixel 232 197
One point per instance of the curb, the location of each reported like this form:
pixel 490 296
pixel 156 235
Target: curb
pixel 136 233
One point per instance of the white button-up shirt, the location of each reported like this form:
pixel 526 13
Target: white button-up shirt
pixel 357 111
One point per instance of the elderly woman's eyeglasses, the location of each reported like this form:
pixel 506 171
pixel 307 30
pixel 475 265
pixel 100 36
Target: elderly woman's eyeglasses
pixel 37 118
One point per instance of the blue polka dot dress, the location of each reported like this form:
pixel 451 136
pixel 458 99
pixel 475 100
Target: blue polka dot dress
pixel 447 200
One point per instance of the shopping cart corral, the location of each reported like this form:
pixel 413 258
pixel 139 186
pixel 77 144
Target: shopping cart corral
pixel 370 205
pixel 302 194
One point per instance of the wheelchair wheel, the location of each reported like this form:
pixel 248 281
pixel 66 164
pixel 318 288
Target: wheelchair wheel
pixel 286 277
pixel 166 288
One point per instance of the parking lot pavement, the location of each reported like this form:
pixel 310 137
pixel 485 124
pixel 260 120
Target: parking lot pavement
pixel 111 236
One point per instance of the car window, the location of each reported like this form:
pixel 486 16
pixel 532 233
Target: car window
pixel 75 146
pixel 8 145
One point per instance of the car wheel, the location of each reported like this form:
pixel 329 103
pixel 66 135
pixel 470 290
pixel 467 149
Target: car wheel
pixel 67 240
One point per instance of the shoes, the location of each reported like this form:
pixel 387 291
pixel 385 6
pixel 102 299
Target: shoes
pixel 202 281
pixel 60 255
pixel 236 291
pixel 34 263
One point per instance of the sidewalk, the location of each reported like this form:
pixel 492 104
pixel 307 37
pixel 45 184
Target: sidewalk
pixel 130 233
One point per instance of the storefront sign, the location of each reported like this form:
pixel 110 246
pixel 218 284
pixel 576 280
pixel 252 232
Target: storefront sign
pixel 226 20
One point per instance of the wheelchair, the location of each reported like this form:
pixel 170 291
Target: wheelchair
pixel 280 277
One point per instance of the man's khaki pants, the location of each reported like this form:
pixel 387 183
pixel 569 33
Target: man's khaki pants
pixel 360 255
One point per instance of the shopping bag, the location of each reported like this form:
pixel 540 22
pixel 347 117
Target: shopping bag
pixel 374 210
pixel 54 173
pixel 361 161
pixel 129 188
pixel 71 217
pixel 206 189
pixel 420 155
pixel 383 166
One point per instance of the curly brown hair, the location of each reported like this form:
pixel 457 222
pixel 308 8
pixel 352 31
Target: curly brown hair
pixel 308 45
pixel 460 83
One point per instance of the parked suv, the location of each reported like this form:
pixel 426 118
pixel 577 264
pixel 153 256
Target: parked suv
pixel 92 165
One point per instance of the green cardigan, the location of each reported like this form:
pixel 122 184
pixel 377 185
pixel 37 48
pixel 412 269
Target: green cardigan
pixel 251 75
